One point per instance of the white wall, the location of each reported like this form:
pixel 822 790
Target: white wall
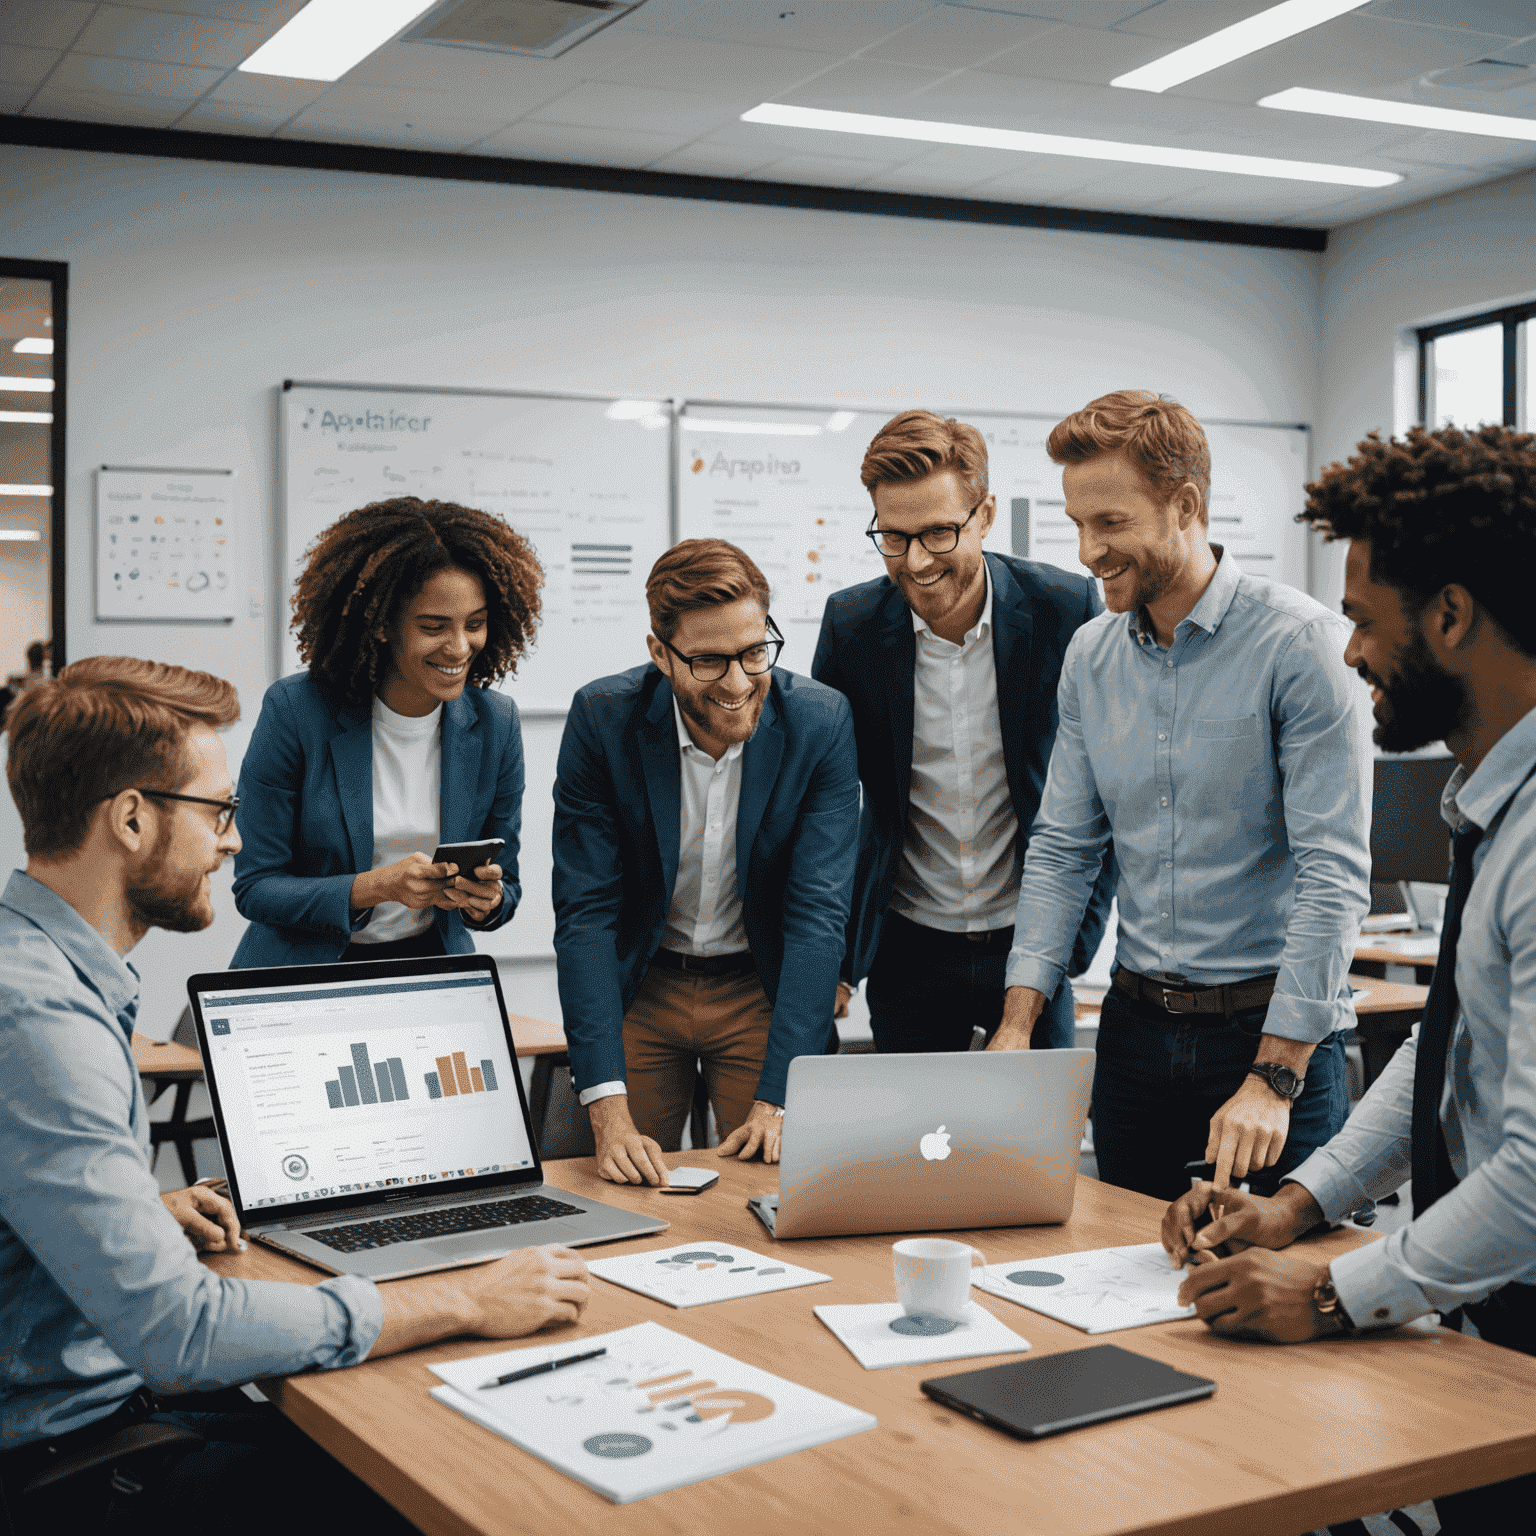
pixel 195 289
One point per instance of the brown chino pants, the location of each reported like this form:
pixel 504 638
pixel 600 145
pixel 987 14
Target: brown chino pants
pixel 680 1022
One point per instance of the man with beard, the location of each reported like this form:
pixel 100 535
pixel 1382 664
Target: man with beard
pixel 1442 531
pixel 119 774
pixel 1210 727
pixel 706 828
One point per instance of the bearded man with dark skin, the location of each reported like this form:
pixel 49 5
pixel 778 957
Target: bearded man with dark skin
pixel 1442 531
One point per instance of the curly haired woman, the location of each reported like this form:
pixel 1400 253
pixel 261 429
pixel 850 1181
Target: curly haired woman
pixel 391 743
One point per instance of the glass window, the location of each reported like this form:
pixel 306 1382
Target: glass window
pixel 1525 354
pixel 1467 377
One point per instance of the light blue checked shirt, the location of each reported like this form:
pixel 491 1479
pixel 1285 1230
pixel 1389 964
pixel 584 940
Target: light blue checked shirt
pixel 1233 771
pixel 1482 1234
pixel 100 1291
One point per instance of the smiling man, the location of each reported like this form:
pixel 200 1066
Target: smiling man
pixel 706 827
pixel 1210 727
pixel 950 660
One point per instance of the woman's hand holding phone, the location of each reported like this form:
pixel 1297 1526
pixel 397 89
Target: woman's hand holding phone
pixel 478 897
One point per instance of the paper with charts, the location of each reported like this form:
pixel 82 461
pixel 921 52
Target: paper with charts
pixel 1100 1291
pixel 658 1411
pixel 693 1273
pixel 881 1334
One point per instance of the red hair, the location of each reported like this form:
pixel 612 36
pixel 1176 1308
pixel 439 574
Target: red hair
pixel 700 573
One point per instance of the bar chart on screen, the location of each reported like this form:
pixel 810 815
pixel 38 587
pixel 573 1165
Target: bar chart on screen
pixel 455 1076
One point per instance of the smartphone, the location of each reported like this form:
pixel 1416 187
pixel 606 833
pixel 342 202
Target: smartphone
pixel 469 856
pixel 689 1181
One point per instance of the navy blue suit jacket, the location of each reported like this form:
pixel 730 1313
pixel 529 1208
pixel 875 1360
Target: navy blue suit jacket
pixel 306 817
pixel 618 811
pixel 868 652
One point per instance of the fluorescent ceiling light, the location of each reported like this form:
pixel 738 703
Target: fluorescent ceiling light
pixel 762 428
pixel 631 410
pixel 840 421
pixel 27 386
pixel 328 37
pixel 20 535
pixel 1234 42
pixel 42 418
pixel 1410 114
pixel 1059 144
pixel 26 490
pixel 43 344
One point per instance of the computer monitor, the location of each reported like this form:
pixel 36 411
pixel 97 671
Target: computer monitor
pixel 1409 837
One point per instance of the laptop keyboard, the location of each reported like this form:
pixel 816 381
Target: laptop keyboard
pixel 447 1223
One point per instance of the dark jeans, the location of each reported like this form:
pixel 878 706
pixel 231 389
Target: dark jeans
pixel 929 990
pixel 1160 1077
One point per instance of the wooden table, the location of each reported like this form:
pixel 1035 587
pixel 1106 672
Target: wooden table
pixel 1374 956
pixel 1294 1437
pixel 1384 1018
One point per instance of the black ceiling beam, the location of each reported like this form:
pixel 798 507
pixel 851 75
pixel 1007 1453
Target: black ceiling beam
pixel 305 154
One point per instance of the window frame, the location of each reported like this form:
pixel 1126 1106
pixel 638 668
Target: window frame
pixel 1511 317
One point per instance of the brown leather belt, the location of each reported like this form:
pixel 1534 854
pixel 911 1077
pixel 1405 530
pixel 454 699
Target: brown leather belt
pixel 704 965
pixel 1189 998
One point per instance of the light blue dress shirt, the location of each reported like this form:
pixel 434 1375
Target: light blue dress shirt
pixel 1233 770
pixel 100 1290
pixel 1482 1234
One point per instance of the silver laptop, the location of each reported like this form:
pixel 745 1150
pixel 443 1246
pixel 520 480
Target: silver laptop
pixel 372 1117
pixel 929 1143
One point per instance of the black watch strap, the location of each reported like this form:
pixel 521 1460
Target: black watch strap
pixel 1285 1081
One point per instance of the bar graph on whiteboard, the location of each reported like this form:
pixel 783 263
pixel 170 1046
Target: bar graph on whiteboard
pixel 454 1076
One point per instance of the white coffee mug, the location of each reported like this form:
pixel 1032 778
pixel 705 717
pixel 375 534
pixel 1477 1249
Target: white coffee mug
pixel 933 1277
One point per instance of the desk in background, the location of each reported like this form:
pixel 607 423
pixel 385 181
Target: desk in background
pixel 1295 1438
pixel 1376 952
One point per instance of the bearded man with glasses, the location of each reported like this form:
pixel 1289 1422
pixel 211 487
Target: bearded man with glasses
pixel 950 661
pixel 705 835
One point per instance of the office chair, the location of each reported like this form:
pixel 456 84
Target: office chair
pixel 178 1130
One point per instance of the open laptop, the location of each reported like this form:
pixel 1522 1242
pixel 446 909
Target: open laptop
pixel 372 1117
pixel 928 1143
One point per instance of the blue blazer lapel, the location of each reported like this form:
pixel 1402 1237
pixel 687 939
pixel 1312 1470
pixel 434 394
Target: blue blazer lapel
pixel 352 763
pixel 460 779
pixel 760 761
pixel 659 761
pixel 1013 629
pixel 898 666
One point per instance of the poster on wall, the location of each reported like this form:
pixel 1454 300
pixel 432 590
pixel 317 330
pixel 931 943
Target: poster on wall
pixel 586 481
pixel 163 544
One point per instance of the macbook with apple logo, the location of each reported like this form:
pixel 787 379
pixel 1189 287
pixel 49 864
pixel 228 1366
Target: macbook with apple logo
pixel 929 1143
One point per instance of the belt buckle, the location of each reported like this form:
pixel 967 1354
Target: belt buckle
pixel 1169 994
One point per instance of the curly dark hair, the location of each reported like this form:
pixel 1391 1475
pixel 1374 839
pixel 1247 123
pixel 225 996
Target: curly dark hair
pixel 1441 508
pixel 363 571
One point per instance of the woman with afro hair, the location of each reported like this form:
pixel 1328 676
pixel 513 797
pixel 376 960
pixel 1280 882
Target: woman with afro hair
pixel 392 742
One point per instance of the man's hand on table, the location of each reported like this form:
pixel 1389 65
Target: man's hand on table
pixel 1239 1220
pixel 761 1132
pixel 624 1156
pixel 1022 1006
pixel 207 1218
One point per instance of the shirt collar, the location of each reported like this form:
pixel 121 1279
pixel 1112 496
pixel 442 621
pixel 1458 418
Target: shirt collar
pixel 82 945
pixel 982 626
pixel 1478 797
pixel 1214 602
pixel 686 743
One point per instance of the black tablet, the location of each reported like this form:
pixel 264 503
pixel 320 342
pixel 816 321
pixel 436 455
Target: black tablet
pixel 1031 1399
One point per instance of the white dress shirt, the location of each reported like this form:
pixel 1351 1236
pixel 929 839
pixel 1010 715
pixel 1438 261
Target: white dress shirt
pixel 705 915
pixel 407 809
pixel 960 861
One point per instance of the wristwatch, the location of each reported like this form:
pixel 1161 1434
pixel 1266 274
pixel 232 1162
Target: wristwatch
pixel 1325 1300
pixel 778 1109
pixel 1286 1082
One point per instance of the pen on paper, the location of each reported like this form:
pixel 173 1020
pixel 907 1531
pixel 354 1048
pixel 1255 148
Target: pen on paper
pixel 541 1370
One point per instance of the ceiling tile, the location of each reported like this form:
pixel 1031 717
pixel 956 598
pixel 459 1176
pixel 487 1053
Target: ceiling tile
pixel 586 146
pixel 126 33
pixel 782 142
pixel 268 91
pixel 1508 18
pixel 43 23
pixel 928 181
pixel 1078 53
pixel 698 64
pixel 1177 22
pixel 1038 178
pixel 819 170
pixel 462 75
pixel 210 116
pixel 266 13
pixel 955 36
pixel 1083 13
pixel 707 159
pixel 129 77
pixel 26 66
pixel 864 86
pixel 398 133
pixel 819 25
pixel 103 107
pixel 680 113
pixel 1459 149
pixel 370 105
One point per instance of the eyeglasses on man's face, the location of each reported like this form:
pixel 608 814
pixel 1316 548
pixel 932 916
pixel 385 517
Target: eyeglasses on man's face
pixel 227 808
pixel 937 540
pixel 755 660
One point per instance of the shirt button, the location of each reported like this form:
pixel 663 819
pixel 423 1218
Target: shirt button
pixel 1165 800
pixel 1162 735
pixel 1170 661
pixel 1167 863
pixel 1165 914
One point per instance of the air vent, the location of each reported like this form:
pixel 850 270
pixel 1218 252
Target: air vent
pixel 541 29
pixel 1482 75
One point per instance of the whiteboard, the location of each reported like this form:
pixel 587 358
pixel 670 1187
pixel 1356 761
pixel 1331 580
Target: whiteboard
pixel 163 549
pixel 586 481
pixel 783 483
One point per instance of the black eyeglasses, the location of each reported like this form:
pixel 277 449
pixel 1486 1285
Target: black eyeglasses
pixel 755 660
pixel 938 540
pixel 227 808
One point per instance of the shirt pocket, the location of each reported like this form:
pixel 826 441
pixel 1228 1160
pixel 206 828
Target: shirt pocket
pixel 1227 730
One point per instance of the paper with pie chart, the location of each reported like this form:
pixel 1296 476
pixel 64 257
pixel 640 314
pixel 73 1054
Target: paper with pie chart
pixel 656 1411
pixel 880 1334
pixel 1101 1290
pixel 691 1274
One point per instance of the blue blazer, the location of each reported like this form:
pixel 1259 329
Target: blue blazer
pixel 306 817
pixel 868 652
pixel 618 809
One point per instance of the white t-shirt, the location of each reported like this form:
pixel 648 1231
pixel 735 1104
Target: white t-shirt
pixel 407 806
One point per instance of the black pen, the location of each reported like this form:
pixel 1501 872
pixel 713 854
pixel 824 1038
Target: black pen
pixel 540 1370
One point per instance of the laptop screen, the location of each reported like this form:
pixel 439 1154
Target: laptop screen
pixel 329 1089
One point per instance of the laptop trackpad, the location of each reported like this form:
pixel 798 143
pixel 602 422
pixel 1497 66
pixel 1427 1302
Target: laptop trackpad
pixel 473 1245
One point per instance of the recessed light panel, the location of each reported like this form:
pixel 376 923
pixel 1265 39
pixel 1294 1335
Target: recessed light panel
pixel 1411 114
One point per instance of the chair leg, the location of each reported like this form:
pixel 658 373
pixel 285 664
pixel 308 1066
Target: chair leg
pixel 183 1146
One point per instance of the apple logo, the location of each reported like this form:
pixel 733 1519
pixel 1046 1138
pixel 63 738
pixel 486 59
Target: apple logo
pixel 935 1145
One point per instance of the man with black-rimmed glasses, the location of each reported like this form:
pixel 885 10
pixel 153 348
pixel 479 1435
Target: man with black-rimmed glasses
pixel 706 828
pixel 950 661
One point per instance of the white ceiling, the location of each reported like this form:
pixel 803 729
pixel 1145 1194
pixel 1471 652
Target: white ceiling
pixel 664 87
